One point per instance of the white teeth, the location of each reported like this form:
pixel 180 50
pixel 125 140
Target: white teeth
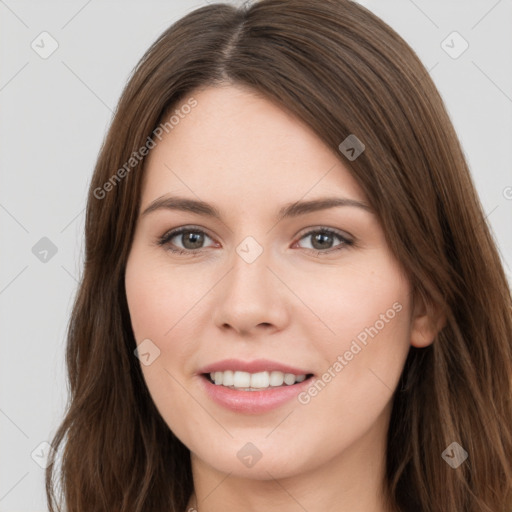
pixel 254 381
pixel 241 380
pixel 276 378
pixel 289 379
pixel 228 378
pixel 259 380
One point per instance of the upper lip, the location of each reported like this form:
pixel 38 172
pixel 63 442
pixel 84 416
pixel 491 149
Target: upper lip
pixel 254 366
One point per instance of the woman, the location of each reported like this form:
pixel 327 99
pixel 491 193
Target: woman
pixel 291 299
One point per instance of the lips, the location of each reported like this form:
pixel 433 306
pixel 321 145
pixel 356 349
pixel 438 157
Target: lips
pixel 251 400
pixel 255 366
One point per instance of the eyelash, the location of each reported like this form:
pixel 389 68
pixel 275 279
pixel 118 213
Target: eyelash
pixel 167 237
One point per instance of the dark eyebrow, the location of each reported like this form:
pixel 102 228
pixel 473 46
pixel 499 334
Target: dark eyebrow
pixel 289 210
pixel 303 207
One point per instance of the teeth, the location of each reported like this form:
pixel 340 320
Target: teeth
pixel 228 378
pixel 276 378
pixel 289 379
pixel 254 381
pixel 259 380
pixel 241 380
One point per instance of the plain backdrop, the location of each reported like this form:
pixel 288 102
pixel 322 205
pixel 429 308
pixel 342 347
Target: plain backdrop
pixel 54 114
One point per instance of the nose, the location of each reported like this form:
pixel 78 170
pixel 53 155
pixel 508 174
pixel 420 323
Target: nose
pixel 251 299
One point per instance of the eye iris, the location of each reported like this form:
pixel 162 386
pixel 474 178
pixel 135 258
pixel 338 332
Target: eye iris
pixel 322 237
pixel 194 240
pixel 197 240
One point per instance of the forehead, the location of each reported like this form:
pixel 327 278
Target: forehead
pixel 236 143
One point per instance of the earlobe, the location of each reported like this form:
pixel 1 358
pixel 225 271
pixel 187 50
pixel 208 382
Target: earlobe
pixel 427 322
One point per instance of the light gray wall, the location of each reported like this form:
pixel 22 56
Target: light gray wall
pixel 54 114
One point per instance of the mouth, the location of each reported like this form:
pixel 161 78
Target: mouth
pixel 253 387
pixel 252 382
pixel 238 391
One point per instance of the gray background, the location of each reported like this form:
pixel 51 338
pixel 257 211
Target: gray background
pixel 54 115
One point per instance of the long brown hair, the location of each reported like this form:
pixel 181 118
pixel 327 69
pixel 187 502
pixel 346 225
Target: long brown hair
pixel 343 71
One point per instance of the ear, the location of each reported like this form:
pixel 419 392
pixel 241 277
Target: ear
pixel 427 321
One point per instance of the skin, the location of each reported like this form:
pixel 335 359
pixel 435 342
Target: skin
pixel 248 157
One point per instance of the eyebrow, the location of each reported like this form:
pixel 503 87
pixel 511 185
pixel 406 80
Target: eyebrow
pixel 287 211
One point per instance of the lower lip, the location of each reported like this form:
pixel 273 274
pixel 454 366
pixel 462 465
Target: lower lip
pixel 253 402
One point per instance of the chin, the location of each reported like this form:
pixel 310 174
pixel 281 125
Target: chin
pixel 257 457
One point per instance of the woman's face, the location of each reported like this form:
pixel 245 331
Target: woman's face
pixel 259 296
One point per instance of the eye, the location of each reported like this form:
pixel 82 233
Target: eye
pixel 322 240
pixel 191 240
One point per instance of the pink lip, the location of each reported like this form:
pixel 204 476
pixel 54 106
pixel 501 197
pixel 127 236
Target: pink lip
pixel 258 365
pixel 252 402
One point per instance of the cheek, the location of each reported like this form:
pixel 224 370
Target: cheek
pixel 159 301
pixel 368 309
pixel 159 297
pixel 164 302
pixel 359 298
pixel 373 306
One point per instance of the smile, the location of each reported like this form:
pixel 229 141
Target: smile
pixel 252 387
pixel 245 381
